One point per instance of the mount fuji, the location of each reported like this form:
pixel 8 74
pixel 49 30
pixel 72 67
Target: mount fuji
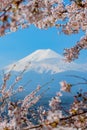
pixel 46 68
pixel 44 61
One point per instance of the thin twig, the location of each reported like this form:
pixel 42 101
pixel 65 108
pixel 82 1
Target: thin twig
pixel 76 76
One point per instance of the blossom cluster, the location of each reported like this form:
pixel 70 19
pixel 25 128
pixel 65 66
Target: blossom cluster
pixel 73 53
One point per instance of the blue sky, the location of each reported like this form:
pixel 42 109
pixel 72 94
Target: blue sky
pixel 23 42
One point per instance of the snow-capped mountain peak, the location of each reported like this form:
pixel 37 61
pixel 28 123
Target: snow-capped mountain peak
pixel 41 55
pixel 44 60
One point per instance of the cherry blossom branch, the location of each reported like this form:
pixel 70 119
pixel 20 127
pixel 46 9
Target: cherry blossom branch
pixel 50 124
pixel 79 77
pixel 73 53
pixel 73 115
pixel 6 9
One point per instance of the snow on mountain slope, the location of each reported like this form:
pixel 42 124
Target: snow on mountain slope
pixel 44 61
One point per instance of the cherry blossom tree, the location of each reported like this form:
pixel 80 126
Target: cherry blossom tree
pixel 18 14
pixel 14 114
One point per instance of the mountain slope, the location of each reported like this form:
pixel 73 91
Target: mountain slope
pixel 45 61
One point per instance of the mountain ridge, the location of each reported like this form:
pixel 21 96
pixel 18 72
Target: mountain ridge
pixel 45 60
